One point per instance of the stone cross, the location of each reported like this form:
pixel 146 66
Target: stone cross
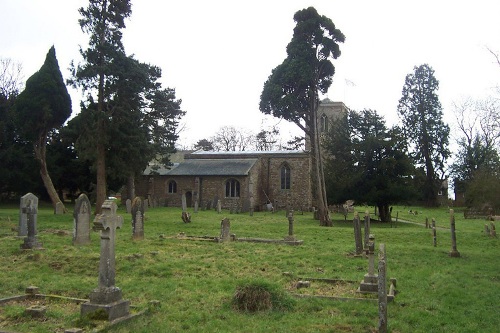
pixel 28 202
pixel 107 297
pixel 454 252
pixel 371 255
pixel 367 229
pixel 382 293
pixel 225 226
pixel 81 221
pixel 107 223
pixel 137 219
pixel 31 242
pixel 357 234
pixel 370 283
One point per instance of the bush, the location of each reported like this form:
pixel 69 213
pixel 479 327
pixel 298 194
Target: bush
pixel 261 296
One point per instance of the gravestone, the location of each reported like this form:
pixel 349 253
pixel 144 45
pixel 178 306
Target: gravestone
pixel 29 202
pixel 107 298
pixel 434 236
pixel 137 219
pixel 128 204
pixel 81 221
pixel 426 223
pixel 219 207
pixel 30 211
pixel 357 234
pixel 382 293
pixel 209 205
pixel 487 230
pixel 454 252
pixel 225 228
pixel 59 208
pixel 184 202
pixel 370 281
pixel 367 229
pixel 196 206
pixel 214 202
pixel 291 236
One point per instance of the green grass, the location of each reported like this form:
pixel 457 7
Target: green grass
pixel 196 281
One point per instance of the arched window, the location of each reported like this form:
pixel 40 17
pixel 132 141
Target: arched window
pixel 323 124
pixel 232 188
pixel 285 177
pixel 172 186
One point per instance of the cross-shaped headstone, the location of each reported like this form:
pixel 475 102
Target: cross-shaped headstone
pixel 107 223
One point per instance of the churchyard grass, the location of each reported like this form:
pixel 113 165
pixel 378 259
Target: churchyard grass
pixel 195 280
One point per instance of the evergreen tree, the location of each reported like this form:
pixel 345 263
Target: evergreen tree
pixel 98 76
pixel 422 122
pixel 292 90
pixel 43 106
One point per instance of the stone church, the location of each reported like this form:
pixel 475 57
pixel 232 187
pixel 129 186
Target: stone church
pixel 246 179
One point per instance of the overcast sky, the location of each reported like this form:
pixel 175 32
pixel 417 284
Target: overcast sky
pixel 218 54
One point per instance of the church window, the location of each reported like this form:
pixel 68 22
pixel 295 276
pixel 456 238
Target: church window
pixel 232 188
pixel 323 123
pixel 172 186
pixel 285 177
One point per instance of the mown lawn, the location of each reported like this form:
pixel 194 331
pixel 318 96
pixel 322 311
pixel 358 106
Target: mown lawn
pixel 196 280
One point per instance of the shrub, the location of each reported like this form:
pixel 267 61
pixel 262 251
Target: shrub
pixel 261 296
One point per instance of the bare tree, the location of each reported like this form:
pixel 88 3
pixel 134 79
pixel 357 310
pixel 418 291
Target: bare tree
pixel 10 77
pixel 230 138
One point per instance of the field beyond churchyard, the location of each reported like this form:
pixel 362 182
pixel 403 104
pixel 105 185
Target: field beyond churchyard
pixel 194 280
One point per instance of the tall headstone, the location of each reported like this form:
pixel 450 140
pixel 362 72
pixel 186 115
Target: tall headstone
pixel 184 202
pixel 225 228
pixel 30 210
pixel 382 292
pixel 107 297
pixel 357 234
pixel 196 206
pixel 128 204
pixel 367 229
pixel 81 221
pixel 454 252
pixel 29 202
pixel 137 219
pixel 219 207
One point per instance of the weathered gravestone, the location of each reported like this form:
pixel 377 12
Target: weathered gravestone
pixel 81 221
pixel 493 230
pixel 196 206
pixel 357 234
pixel 186 217
pixel 219 207
pixel 225 228
pixel 30 211
pixel 128 204
pixel 370 282
pixel 59 208
pixel 454 252
pixel 107 298
pixel 291 236
pixel 29 202
pixel 137 219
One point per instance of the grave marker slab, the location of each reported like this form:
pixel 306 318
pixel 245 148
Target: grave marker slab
pixel 28 201
pixel 137 219
pixel 454 252
pixel 357 234
pixel 81 221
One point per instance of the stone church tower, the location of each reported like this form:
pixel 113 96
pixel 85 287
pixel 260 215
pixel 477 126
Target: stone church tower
pixel 327 112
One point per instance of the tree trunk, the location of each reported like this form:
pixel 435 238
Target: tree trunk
pixel 317 166
pixel 384 212
pixel 40 154
pixel 101 178
pixel 131 187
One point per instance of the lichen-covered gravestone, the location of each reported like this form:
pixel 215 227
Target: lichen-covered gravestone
pixel 81 221
pixel 357 234
pixel 107 298
pixel 29 202
pixel 137 219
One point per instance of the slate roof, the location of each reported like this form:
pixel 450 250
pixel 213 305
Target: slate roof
pixel 210 167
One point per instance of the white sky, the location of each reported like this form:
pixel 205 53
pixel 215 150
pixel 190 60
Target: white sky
pixel 217 54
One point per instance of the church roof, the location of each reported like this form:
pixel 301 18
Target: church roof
pixel 212 167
